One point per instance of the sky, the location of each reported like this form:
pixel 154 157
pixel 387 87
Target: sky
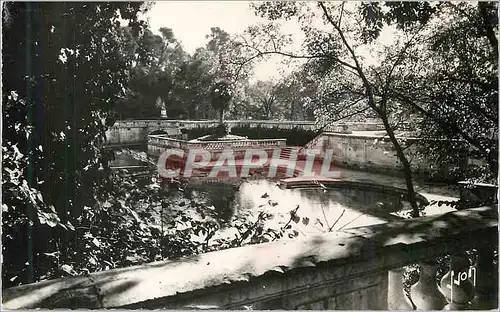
pixel 191 22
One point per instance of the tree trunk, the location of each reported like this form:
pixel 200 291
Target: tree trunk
pixel 221 114
pixel 488 25
pixel 406 166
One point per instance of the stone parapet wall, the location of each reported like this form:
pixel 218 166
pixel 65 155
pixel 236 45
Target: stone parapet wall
pixel 136 131
pixel 348 270
pixel 157 144
pixel 373 152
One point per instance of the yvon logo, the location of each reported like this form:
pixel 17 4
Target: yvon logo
pixel 457 278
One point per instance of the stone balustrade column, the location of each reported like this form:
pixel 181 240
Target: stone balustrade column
pixel 456 285
pixel 486 281
pixel 425 293
pixel 396 298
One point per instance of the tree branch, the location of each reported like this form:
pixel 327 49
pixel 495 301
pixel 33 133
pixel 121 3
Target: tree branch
pixel 398 60
pixel 488 25
pixel 455 127
pixel 358 67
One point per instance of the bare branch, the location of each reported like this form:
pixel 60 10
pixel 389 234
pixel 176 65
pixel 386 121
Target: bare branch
pixel 290 55
pixel 336 221
pixel 343 117
pixel 398 60
pixel 358 67
pixel 455 127
pixel 341 12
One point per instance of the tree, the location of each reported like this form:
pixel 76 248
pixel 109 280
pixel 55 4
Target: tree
pixel 333 48
pixel 221 94
pixel 156 61
pixel 297 92
pixel 262 98
pixel 193 77
pixel 192 82
pixel 62 76
pixel 350 79
pixel 453 86
pixel 226 53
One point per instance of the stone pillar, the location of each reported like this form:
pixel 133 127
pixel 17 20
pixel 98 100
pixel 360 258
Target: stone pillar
pixel 396 298
pixel 425 293
pixel 486 281
pixel 456 285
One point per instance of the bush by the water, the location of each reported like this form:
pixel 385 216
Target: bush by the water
pixel 135 221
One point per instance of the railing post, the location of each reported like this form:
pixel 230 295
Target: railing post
pixel 396 298
pixel 425 293
pixel 486 281
pixel 456 285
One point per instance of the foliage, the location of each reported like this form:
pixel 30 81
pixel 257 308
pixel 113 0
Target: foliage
pixel 161 69
pixel 262 102
pixel 57 105
pixel 348 83
pixel 137 220
pixel 296 93
pixel 294 137
pixel 155 60
pixel 192 82
pixel 221 94
pixel 454 97
pixel 453 85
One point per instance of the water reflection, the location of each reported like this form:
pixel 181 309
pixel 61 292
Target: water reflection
pixel 327 209
pixel 222 196
pixel 335 209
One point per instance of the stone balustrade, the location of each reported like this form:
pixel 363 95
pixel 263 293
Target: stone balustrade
pixel 376 152
pixel 158 143
pixel 283 124
pixel 136 131
pixel 190 124
pixel 356 269
pixel 475 194
pixel 368 152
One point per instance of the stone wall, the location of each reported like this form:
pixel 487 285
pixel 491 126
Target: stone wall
pixel 343 270
pixel 158 143
pixel 371 152
pixel 126 136
pixel 136 131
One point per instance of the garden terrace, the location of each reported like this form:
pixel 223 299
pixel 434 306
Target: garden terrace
pixel 158 143
pixel 355 269
pixel 133 132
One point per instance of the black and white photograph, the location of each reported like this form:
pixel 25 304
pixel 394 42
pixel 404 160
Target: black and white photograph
pixel 250 155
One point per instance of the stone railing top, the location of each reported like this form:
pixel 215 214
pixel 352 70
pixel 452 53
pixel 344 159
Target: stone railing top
pixel 236 122
pixel 476 184
pixel 165 138
pixel 394 243
pixel 230 123
pixel 385 137
pixel 217 121
pixel 162 138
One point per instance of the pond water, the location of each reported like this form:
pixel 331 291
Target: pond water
pixel 331 209
pixel 127 159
